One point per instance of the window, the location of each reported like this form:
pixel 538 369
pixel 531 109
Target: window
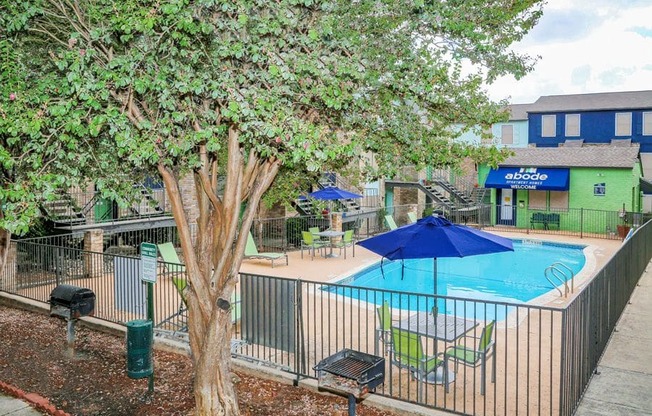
pixel 538 200
pixel 647 124
pixel 507 134
pixel 572 125
pixel 548 200
pixel 623 124
pixel 559 200
pixel 549 126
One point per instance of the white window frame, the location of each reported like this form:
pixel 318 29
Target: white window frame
pixel 624 119
pixel 572 133
pixel 509 127
pixel 647 123
pixel 551 130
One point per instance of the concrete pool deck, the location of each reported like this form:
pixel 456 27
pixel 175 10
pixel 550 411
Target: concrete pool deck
pixel 322 269
pixel 625 372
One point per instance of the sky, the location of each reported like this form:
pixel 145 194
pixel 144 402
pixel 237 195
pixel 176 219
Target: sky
pixel 585 46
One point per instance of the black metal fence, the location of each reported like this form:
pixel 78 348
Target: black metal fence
pixel 541 359
pixel 591 318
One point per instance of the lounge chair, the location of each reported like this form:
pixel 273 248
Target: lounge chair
pixel 346 241
pixel 181 283
pixel 308 241
pixel 474 356
pixel 407 352
pixel 170 258
pixel 412 217
pixel 251 252
pixel 390 222
pixel 178 321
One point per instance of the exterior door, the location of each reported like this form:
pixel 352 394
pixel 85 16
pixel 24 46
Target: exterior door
pixel 506 211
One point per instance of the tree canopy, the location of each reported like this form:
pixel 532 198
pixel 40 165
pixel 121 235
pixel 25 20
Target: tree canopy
pixel 245 89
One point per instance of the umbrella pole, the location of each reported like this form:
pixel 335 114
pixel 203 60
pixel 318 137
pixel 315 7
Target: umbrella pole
pixel 434 274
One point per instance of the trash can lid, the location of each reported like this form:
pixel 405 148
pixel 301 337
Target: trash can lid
pixel 138 323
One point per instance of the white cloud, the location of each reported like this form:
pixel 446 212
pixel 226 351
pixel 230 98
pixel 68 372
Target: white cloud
pixel 585 46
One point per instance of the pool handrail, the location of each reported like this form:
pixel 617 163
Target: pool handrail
pixel 572 278
pixel 554 270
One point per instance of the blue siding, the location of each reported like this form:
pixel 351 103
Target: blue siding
pixel 595 127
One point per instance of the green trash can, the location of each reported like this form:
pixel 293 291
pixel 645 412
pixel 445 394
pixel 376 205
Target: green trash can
pixel 139 348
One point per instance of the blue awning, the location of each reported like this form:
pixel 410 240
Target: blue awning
pixel 528 178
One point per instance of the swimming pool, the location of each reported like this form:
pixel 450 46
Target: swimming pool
pixel 512 277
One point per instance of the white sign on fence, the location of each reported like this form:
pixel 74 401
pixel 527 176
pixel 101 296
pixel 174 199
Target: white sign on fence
pixel 148 265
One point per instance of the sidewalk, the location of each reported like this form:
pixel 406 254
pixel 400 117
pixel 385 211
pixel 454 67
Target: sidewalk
pixel 10 406
pixel 624 382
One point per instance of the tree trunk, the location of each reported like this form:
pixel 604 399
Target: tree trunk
pixel 213 261
pixel 214 391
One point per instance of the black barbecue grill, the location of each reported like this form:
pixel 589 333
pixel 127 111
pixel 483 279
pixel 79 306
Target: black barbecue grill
pixel 70 303
pixel 353 373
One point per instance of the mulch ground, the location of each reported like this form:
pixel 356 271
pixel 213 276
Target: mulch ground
pixel 93 380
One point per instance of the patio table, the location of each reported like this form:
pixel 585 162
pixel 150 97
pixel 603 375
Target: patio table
pixel 447 328
pixel 330 234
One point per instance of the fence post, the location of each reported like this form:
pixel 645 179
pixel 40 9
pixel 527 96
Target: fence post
pixel 582 222
pixel 299 351
pixel 563 352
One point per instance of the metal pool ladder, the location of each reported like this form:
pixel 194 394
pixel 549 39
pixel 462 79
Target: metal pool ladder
pixel 559 271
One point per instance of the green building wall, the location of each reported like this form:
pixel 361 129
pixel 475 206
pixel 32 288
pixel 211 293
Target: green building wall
pixel 586 211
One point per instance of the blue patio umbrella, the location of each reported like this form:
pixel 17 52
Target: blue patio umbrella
pixel 433 237
pixel 333 193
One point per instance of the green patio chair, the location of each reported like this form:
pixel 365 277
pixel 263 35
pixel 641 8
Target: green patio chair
pixel 170 258
pixel 314 231
pixel 312 244
pixel 476 356
pixel 383 330
pixel 251 252
pixel 346 241
pixel 390 222
pixel 412 217
pixel 407 352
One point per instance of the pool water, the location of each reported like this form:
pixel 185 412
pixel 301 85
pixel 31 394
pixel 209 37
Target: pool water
pixel 512 277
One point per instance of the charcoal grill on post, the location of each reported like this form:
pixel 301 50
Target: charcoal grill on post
pixel 70 303
pixel 353 373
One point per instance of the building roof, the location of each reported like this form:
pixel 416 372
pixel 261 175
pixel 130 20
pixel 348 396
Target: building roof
pixel 593 102
pixel 583 157
pixel 518 111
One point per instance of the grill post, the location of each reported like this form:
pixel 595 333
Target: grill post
pixel 70 336
pixel 351 405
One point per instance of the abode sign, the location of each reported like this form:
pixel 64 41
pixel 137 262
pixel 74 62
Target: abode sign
pixel 528 178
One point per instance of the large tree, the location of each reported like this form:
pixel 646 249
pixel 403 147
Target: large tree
pixel 238 91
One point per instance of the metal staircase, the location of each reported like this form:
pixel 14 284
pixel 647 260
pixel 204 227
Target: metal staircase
pixel 436 195
pixel 64 210
pixel 147 206
pixel 458 196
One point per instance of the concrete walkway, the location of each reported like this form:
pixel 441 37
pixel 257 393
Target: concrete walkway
pixel 624 383
pixel 10 406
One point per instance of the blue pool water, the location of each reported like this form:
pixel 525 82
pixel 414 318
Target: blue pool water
pixel 511 277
